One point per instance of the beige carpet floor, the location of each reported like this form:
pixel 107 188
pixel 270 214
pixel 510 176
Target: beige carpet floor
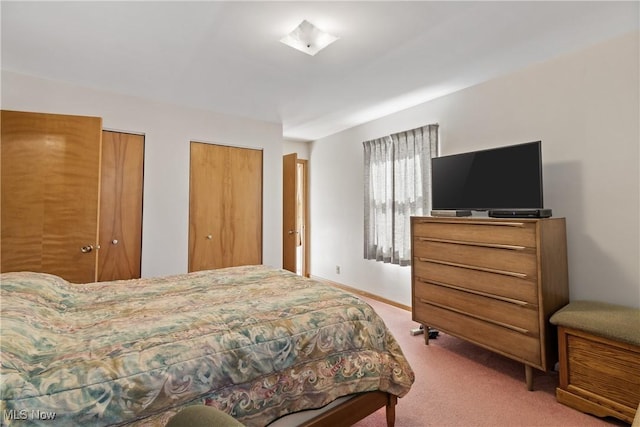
pixel 461 384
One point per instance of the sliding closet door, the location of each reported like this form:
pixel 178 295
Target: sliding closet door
pixel 119 256
pixel 50 183
pixel 225 207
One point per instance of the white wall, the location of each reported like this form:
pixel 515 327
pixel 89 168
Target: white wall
pixel 301 148
pixel 585 109
pixel 168 131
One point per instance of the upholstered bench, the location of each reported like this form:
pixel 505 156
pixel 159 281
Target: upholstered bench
pixel 202 416
pixel 599 353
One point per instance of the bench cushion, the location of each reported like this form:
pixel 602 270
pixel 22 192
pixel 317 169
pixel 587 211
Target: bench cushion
pixel 611 321
pixel 202 416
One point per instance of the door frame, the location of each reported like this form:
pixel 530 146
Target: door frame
pixel 305 204
pixel 290 224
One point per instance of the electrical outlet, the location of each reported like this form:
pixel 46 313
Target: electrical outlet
pixel 337 269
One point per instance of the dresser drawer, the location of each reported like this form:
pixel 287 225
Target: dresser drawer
pixel 508 261
pixel 517 317
pixel 501 285
pixel 478 231
pixel 502 340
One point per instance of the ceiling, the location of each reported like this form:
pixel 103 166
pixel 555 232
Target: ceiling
pixel 226 56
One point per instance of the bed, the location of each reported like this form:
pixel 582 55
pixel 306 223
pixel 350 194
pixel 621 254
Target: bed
pixel 255 342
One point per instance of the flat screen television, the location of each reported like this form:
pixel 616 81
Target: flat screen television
pixel 500 178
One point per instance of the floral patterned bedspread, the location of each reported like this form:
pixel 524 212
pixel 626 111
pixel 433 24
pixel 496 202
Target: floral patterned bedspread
pixel 254 341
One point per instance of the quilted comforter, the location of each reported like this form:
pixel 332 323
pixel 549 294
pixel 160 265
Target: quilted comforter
pixel 254 341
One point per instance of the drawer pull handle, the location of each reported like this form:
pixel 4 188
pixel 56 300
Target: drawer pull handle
pixel 484 245
pixel 473 267
pixel 471 291
pixel 495 322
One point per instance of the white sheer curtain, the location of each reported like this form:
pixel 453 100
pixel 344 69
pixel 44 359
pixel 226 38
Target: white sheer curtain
pixel 397 185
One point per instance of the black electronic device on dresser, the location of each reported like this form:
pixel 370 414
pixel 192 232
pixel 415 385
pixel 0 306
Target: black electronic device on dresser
pixel 520 213
pixel 505 181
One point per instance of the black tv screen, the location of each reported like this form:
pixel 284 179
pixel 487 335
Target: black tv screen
pixel 500 178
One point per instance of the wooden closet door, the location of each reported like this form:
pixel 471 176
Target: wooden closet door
pixel 225 207
pixel 119 256
pixel 50 183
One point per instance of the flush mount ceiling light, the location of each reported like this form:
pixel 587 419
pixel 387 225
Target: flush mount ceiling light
pixel 308 38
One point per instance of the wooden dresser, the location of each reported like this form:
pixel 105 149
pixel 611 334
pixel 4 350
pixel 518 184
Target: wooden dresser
pixel 493 282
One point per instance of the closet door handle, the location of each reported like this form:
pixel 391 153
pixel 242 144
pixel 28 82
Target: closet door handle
pixel 86 249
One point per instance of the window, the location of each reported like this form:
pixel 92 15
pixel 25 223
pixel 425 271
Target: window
pixel 397 180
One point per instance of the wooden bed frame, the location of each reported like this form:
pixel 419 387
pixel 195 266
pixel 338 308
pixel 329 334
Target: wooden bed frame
pixel 343 412
pixel 355 409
